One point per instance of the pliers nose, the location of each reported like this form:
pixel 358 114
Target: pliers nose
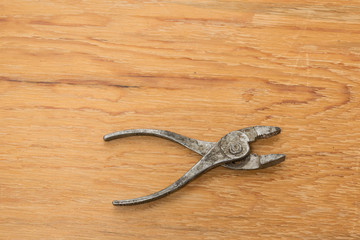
pixel 260 132
pixel 254 161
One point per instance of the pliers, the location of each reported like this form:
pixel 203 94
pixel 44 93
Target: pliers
pixel 231 151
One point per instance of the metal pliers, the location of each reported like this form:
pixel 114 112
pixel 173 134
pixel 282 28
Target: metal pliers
pixel 231 151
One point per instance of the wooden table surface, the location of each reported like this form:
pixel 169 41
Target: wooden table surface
pixel 72 71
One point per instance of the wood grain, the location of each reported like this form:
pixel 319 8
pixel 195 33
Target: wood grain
pixel 72 71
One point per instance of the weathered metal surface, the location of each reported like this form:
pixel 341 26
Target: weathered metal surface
pixel 231 151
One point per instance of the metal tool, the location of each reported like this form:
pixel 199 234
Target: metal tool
pixel 231 151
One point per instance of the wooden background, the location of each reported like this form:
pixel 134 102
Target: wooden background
pixel 72 71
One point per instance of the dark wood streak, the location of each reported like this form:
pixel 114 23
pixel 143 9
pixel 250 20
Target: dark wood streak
pixel 67 82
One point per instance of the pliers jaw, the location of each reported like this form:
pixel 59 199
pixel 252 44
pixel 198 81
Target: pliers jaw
pixel 260 132
pixel 254 161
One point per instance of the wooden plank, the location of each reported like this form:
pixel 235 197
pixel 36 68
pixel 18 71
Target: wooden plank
pixel 72 71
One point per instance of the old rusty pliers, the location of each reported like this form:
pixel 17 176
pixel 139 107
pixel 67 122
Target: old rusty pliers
pixel 231 151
